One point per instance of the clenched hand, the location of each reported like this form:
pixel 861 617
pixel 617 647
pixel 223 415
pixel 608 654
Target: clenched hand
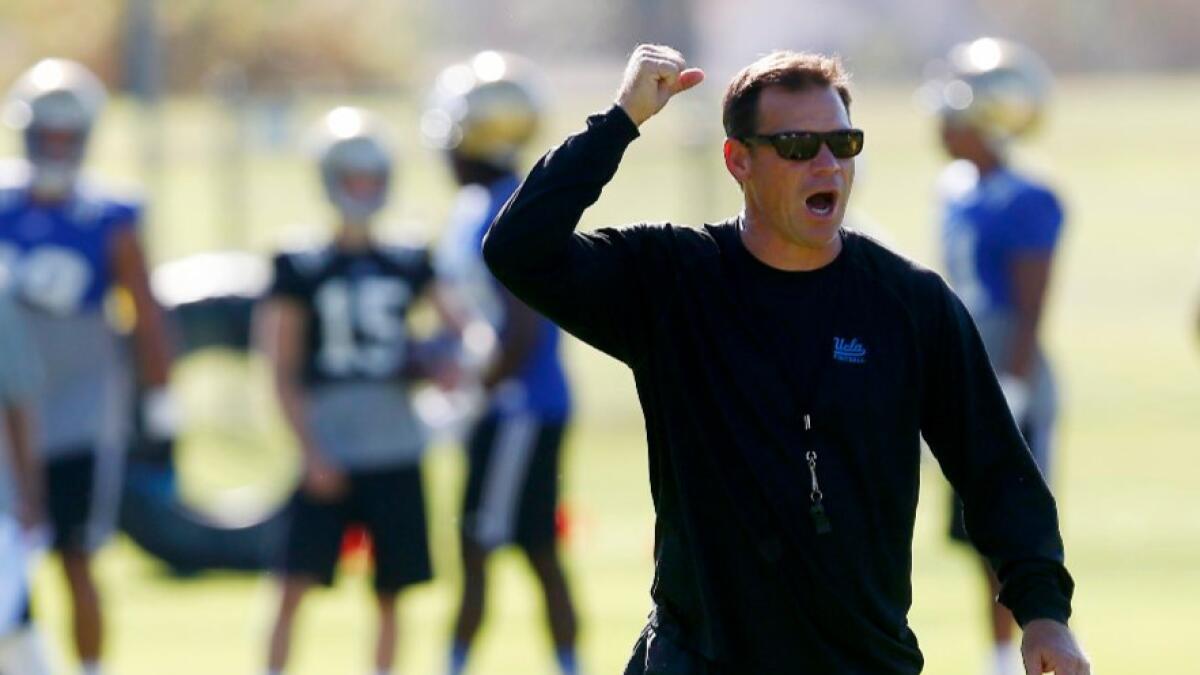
pixel 653 75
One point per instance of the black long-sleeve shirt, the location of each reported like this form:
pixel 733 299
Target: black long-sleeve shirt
pixel 744 373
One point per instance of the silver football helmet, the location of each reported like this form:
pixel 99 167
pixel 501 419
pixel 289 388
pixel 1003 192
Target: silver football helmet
pixel 54 105
pixel 485 109
pixel 995 86
pixel 353 142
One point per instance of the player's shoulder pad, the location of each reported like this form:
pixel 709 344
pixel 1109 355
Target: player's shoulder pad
pixel 306 259
pixel 14 173
pixel 1023 194
pixel 403 244
pixel 118 202
pixel 1009 188
pixel 474 206
pixel 404 254
pixel 1037 189
pixel 402 235
pixel 14 180
pixel 956 180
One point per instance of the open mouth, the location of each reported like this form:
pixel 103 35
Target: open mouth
pixel 821 203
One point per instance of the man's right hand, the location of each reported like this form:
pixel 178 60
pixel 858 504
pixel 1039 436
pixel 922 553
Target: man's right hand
pixel 30 513
pixel 322 480
pixel 654 74
pixel 1048 646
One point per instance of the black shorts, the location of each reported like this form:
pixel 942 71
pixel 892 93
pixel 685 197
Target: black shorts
pixel 81 504
pixel 512 482
pixel 389 503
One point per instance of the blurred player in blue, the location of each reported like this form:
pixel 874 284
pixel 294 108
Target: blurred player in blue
pixel 1000 232
pixel 69 245
pixel 334 328
pixel 21 507
pixel 483 112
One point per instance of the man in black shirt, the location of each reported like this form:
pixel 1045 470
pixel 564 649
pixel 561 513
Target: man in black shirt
pixel 786 369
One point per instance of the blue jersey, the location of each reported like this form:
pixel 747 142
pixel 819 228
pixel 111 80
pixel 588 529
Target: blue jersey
pixel 540 386
pixel 59 256
pixel 60 253
pixel 989 222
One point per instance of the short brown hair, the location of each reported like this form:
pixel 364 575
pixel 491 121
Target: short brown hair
pixel 795 71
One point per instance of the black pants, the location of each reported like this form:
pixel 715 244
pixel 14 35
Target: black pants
pixel 659 651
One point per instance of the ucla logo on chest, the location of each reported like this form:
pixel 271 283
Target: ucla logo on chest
pixel 849 351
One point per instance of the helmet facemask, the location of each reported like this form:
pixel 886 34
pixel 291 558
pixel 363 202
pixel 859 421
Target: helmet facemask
pixel 54 105
pixel 355 164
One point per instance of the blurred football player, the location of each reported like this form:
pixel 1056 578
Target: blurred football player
pixel 1000 232
pixel 482 113
pixel 335 331
pixel 68 244
pixel 21 507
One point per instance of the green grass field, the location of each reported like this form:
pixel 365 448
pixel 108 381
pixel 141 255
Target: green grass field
pixel 1121 329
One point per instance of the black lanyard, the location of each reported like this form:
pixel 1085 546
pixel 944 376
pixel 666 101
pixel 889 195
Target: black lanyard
pixel 834 284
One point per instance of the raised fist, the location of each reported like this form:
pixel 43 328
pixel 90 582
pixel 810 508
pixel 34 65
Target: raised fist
pixel 653 75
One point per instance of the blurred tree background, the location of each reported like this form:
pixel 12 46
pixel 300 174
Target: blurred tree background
pixel 326 43
pixel 360 44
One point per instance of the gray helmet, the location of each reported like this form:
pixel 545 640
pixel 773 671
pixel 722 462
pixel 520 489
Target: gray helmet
pixel 486 108
pixel 351 140
pixel 55 95
pixel 995 86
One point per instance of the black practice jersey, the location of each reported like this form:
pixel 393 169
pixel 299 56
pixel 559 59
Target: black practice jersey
pixel 358 302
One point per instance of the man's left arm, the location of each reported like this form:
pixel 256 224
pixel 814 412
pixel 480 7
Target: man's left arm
pixel 516 343
pixel 1036 222
pixel 1008 509
pixel 152 346
pixel 1030 275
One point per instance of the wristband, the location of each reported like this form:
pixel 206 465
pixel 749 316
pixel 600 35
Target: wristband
pixel 160 414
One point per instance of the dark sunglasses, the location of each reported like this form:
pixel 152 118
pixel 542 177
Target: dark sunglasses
pixel 804 145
